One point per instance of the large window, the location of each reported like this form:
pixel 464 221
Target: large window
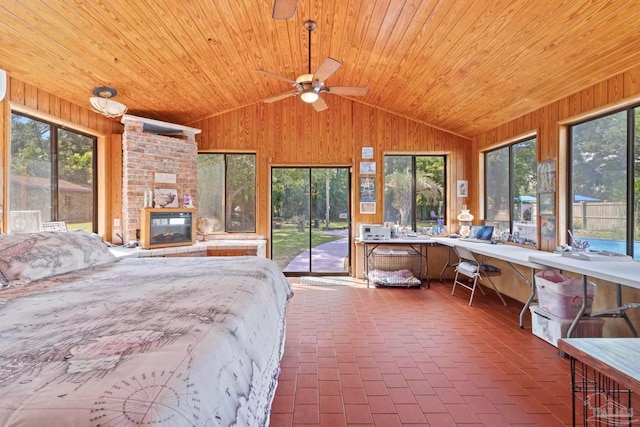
pixel 605 182
pixel 227 191
pixel 510 190
pixel 52 176
pixel 414 189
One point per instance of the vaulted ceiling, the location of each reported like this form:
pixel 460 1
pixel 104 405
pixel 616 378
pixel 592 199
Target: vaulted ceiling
pixel 465 66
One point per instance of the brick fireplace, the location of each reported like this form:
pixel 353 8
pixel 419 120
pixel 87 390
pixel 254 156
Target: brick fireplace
pixel 154 152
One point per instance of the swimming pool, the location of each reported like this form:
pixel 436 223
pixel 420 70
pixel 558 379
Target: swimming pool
pixel 612 245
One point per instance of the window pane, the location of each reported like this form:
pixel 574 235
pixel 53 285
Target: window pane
pixel 429 191
pixel 52 176
pixel 524 215
pixel 398 182
pixel 496 202
pixel 30 173
pixel 241 193
pixel 75 180
pixel 414 187
pixel 227 191
pixel 210 190
pixel 599 182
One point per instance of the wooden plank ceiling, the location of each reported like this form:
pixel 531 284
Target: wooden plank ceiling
pixel 465 66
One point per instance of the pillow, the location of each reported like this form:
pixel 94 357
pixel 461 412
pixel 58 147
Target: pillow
pixel 32 256
pixel 468 267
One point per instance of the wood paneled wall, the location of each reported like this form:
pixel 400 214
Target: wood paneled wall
pixel 549 123
pixel 290 132
pixel 39 103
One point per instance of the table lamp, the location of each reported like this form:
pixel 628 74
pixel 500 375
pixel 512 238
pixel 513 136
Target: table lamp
pixel 465 218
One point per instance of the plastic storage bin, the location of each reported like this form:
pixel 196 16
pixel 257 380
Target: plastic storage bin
pixel 551 328
pixel 562 296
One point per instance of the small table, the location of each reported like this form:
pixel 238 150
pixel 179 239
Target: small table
pixel 415 243
pixel 604 375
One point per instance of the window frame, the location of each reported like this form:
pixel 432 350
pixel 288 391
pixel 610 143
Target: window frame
pixel 511 189
pixel 227 221
pixel 54 127
pixel 414 210
pixel 630 173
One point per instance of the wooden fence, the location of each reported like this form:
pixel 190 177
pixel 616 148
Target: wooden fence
pixel 599 216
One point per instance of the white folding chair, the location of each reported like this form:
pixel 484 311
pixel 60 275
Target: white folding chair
pixel 471 268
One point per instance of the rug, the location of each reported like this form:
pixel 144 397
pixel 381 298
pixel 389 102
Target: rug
pixel 330 281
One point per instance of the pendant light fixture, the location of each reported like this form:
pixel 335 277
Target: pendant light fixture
pixel 103 104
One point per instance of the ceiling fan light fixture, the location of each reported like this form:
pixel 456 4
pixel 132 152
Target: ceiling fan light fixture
pixel 103 104
pixel 309 96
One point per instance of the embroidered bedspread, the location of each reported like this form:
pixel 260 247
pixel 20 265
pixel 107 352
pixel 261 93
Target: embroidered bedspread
pixel 156 341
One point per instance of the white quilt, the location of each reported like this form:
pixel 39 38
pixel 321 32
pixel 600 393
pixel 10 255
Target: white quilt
pixel 155 341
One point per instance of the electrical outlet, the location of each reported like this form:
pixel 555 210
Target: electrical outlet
pixel 116 222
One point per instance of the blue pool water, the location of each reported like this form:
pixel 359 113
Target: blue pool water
pixel 613 246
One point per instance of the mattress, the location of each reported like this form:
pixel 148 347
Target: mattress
pixel 147 341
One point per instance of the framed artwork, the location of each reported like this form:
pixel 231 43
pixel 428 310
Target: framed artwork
pixel 367 188
pixel 166 198
pixel 548 227
pixel 547 176
pixel 547 203
pixel 367 207
pixel 367 152
pixel 367 168
pixel 463 188
pixel 24 221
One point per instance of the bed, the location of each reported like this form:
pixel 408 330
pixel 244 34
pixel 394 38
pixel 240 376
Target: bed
pixel 89 340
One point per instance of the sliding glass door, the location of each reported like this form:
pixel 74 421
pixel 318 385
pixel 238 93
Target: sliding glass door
pixel 310 220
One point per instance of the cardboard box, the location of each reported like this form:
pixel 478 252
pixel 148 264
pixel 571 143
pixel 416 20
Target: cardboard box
pixel 551 328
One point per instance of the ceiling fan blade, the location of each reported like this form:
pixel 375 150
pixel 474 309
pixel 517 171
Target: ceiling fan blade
pixel 284 9
pixel 279 97
pixel 326 69
pixel 348 90
pixel 320 105
pixel 277 76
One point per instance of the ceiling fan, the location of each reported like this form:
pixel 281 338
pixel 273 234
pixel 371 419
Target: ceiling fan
pixel 309 86
pixel 284 9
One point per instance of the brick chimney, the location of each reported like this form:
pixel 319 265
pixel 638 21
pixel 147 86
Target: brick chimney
pixel 154 153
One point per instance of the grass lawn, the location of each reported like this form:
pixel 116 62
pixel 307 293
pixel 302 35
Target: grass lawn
pixel 288 242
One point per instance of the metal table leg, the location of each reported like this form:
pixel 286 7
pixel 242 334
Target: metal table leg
pixel 447 264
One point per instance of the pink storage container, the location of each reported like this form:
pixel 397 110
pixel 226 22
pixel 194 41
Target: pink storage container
pixel 562 296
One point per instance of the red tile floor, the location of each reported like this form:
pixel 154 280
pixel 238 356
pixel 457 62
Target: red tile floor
pixel 357 356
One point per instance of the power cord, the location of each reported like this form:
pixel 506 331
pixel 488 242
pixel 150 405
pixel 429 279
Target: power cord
pixel 120 237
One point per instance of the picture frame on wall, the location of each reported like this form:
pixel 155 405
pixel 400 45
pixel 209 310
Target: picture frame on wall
pixel 367 152
pixel 548 227
pixel 367 207
pixel 367 168
pixel 367 188
pixel 547 176
pixel 462 188
pixel 547 203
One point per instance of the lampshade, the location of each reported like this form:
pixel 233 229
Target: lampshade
pixel 309 96
pixel 103 104
pixel 3 84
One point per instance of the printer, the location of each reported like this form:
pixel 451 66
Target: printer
pixel 374 232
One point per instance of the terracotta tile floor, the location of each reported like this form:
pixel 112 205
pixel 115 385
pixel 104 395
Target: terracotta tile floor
pixel 415 357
